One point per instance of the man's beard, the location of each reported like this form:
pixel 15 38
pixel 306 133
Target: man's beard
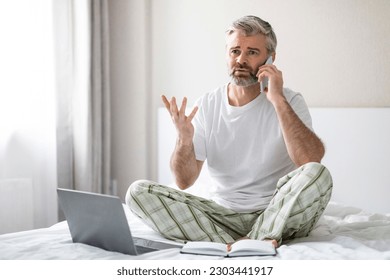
pixel 243 81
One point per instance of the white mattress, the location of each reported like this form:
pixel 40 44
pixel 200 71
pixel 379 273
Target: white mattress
pixel 343 233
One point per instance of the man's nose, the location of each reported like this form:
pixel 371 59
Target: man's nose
pixel 241 59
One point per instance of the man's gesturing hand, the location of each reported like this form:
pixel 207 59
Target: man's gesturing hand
pixel 184 127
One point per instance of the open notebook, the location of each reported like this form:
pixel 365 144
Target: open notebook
pixel 245 247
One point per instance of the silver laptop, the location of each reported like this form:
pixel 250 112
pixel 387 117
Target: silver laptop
pixel 99 220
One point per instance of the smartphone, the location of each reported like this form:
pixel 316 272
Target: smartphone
pixel 264 81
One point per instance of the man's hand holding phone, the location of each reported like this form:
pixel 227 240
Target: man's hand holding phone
pixel 271 81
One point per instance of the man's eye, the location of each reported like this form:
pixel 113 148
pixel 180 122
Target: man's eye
pixel 252 52
pixel 235 52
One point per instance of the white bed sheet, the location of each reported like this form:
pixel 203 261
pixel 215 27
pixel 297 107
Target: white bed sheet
pixel 343 233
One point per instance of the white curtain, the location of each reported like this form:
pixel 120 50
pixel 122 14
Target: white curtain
pixel 83 103
pixel 27 116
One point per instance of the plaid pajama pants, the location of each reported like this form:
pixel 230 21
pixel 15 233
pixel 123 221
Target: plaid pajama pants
pixel 299 200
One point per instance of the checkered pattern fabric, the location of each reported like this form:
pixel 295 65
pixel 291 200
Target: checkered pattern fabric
pixel 298 202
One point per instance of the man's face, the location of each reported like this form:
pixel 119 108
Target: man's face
pixel 245 54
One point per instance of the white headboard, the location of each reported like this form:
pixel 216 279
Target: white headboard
pixel 358 154
pixel 357 144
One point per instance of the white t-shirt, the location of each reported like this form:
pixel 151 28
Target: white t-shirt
pixel 244 147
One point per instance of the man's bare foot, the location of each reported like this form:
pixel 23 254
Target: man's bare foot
pixel 273 242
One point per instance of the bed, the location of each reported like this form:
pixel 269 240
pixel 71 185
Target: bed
pixel 355 225
pixel 343 233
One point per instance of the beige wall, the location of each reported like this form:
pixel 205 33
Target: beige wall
pixel 336 53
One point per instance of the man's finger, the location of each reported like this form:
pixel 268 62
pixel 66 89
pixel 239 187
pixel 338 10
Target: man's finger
pixel 183 106
pixel 192 115
pixel 174 109
pixel 166 103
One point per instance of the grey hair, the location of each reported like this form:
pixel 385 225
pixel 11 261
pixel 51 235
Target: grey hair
pixel 252 25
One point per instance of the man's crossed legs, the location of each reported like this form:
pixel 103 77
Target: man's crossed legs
pixel 299 200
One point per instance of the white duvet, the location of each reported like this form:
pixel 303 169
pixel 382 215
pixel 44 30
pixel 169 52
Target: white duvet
pixel 342 233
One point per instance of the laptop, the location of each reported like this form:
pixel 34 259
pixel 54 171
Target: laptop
pixel 100 220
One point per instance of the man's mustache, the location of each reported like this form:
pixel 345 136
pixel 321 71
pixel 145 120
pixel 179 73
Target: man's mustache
pixel 238 68
pixel 243 68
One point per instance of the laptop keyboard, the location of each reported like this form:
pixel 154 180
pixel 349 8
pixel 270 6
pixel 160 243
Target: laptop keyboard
pixel 146 245
pixel 144 250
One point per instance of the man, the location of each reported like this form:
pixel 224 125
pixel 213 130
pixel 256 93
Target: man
pixel 251 140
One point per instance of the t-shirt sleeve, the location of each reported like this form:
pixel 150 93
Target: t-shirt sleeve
pixel 200 132
pixel 299 106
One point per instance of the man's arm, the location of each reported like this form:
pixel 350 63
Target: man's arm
pixel 184 165
pixel 302 144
